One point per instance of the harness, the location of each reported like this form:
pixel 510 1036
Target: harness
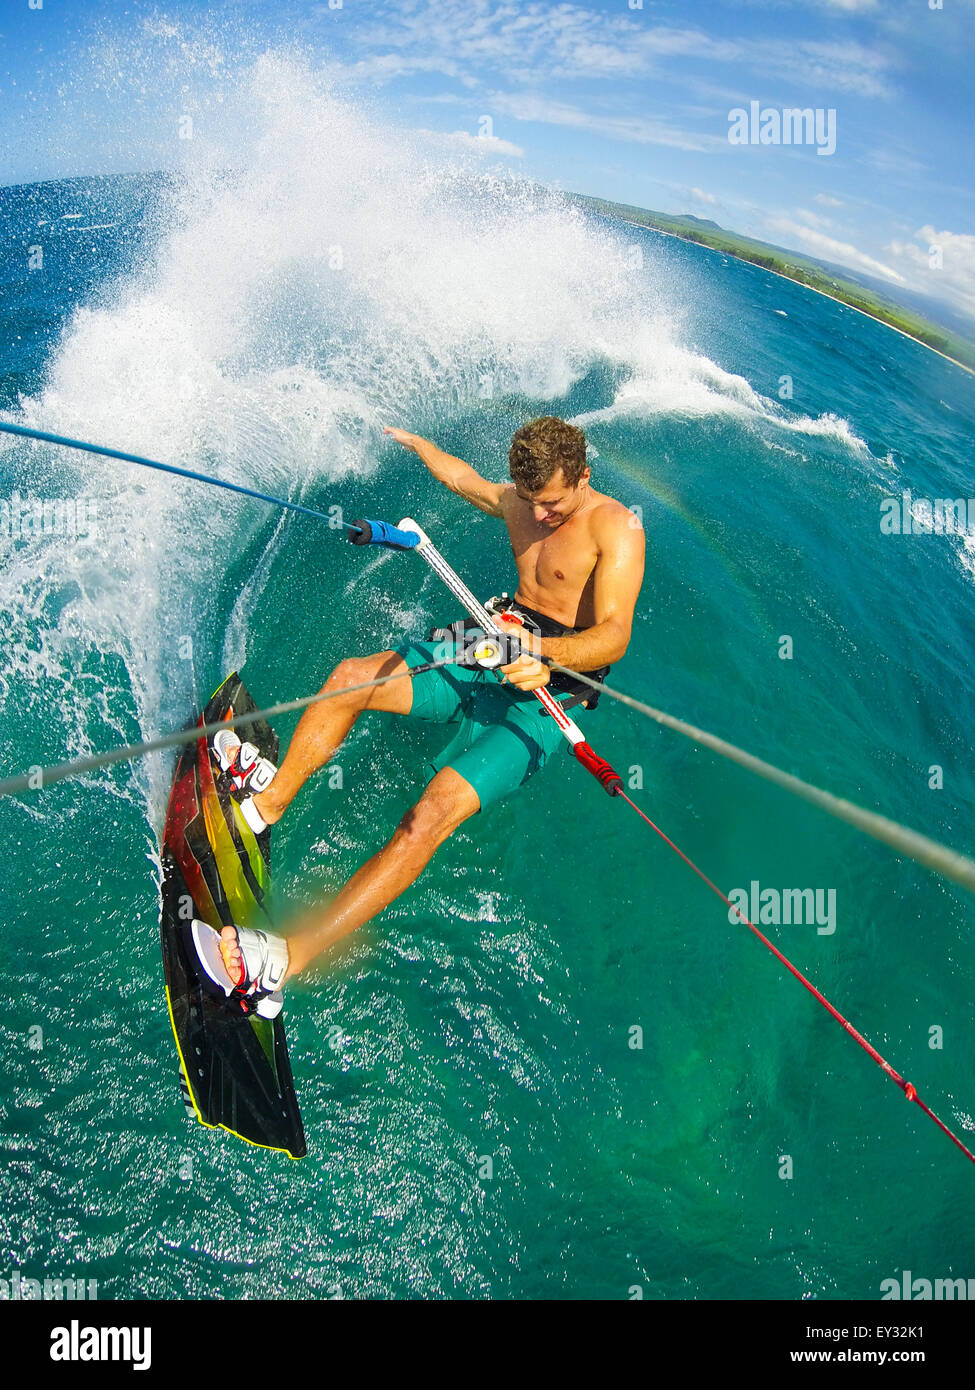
pixel 559 683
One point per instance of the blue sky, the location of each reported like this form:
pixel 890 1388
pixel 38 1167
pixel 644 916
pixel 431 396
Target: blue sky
pixel 616 98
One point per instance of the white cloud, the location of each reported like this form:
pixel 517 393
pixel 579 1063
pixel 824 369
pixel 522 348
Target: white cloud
pixel 851 6
pixel 828 248
pixel 384 67
pixel 825 200
pixel 812 219
pixel 954 278
pixel 699 196
pixel 484 144
pixel 635 129
pixel 572 41
pixel 845 67
pixel 894 161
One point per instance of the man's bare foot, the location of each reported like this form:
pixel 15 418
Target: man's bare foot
pixel 232 956
pixel 250 776
pixel 246 963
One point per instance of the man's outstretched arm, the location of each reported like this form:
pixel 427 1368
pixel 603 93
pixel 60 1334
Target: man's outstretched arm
pixel 454 473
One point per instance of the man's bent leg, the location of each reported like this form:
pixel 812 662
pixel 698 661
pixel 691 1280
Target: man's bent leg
pixel 447 802
pixel 322 727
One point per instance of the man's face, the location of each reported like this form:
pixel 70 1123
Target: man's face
pixel 556 501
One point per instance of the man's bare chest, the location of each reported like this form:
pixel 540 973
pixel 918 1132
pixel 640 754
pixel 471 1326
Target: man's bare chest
pixel 553 569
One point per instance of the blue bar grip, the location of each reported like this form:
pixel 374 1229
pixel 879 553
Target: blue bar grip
pixel 382 533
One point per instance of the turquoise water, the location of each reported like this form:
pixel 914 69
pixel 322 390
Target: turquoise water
pixel 489 1014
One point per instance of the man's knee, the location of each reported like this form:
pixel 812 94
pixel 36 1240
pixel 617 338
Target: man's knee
pixel 347 673
pixel 356 671
pixel 447 802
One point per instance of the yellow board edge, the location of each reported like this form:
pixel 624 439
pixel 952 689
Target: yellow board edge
pixel 273 1148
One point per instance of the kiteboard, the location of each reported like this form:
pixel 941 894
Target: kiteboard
pixel 235 1073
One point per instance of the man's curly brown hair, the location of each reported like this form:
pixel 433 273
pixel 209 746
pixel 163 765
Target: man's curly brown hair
pixel 541 447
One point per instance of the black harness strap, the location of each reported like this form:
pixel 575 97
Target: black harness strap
pixel 559 682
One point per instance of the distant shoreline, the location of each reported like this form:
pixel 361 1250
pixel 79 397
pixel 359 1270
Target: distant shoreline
pixel 692 241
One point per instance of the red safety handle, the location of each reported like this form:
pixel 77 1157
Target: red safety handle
pixel 604 773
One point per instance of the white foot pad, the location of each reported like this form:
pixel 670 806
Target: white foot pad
pixel 252 815
pixel 207 943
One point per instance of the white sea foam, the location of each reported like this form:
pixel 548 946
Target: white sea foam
pixel 669 380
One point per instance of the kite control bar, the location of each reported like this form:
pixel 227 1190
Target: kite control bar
pixel 408 535
pixel 383 533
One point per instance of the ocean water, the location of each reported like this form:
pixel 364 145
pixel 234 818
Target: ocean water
pixel 480 1122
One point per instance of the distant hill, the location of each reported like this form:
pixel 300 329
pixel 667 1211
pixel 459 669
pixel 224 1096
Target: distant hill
pixel 868 295
pixel 698 221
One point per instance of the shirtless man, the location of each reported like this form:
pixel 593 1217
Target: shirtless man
pixel 580 558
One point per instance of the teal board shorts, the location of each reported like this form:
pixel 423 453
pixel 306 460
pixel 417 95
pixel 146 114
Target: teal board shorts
pixel 502 739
